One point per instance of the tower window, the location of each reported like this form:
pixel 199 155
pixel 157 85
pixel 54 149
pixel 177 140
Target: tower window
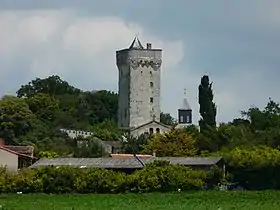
pixel 157 130
pixel 151 100
pixel 151 73
pixel 151 84
pixel 181 119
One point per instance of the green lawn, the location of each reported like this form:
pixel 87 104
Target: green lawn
pixel 264 200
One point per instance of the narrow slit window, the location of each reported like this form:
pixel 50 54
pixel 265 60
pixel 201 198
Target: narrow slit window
pixel 151 100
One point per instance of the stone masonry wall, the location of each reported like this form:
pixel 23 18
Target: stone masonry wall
pixel 139 86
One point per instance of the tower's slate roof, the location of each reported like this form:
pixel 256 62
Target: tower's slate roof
pixel 136 44
pixel 185 105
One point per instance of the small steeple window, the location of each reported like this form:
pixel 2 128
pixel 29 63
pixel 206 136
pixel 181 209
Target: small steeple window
pixel 188 119
pixel 181 119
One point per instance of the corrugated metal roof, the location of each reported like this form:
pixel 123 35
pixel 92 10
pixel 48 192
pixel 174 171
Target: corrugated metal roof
pixel 89 162
pixel 187 161
pixel 132 162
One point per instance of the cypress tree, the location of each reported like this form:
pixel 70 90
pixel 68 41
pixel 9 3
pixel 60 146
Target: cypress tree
pixel 207 109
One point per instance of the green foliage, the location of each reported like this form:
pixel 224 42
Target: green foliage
pixel 52 85
pixel 167 119
pixel 47 154
pixel 66 179
pixel 107 131
pixel 43 106
pixel 15 117
pixel 135 145
pixel 207 109
pixel 176 143
pixel 89 148
pixel 167 178
pixel 254 168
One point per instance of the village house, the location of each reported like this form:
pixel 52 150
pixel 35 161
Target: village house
pixel 15 157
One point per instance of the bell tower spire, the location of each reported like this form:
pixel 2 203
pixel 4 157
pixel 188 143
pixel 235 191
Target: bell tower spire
pixel 185 112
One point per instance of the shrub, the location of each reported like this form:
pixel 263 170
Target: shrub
pixel 167 178
pixel 66 179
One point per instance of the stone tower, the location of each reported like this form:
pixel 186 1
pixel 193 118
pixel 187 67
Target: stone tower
pixel 139 85
pixel 184 113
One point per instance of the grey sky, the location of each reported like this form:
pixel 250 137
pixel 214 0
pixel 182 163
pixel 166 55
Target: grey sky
pixel 236 42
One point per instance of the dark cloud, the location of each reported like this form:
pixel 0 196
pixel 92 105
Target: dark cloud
pixel 236 42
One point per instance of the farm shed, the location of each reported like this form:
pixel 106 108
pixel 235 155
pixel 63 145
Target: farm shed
pixel 130 164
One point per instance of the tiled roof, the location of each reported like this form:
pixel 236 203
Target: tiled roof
pixel 14 152
pixel 116 144
pixel 148 123
pixel 27 150
pixel 127 163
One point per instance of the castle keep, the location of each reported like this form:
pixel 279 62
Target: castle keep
pixel 139 89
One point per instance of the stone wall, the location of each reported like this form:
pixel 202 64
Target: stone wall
pixel 139 86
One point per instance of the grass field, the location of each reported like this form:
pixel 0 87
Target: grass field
pixel 267 200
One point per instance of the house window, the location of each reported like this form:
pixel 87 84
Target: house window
pixel 151 100
pixel 151 130
pixel 157 130
pixel 188 119
pixel 181 119
pixel 151 84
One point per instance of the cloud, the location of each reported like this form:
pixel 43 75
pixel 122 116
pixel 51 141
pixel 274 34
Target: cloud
pixel 236 43
pixel 80 49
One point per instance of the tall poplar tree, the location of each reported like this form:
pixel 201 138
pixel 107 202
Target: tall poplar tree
pixel 207 108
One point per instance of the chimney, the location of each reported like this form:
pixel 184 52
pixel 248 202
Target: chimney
pixel 2 142
pixel 149 46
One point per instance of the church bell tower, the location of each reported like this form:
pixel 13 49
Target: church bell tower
pixel 184 113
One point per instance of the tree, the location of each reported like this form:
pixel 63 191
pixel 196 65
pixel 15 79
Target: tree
pixel 207 108
pixel 89 148
pixel 167 119
pixel 44 106
pixel 15 117
pixel 135 145
pixel 176 143
pixel 107 131
pixel 52 85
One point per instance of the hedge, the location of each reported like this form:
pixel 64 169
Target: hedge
pixel 255 168
pixel 75 180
